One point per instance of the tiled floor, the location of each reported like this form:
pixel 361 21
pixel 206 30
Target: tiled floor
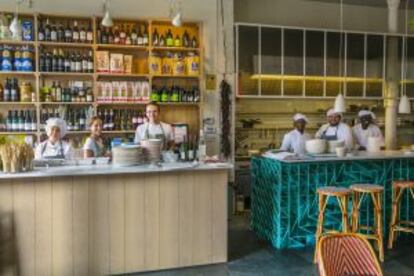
pixel 250 256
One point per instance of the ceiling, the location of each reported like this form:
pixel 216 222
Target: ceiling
pixel 372 3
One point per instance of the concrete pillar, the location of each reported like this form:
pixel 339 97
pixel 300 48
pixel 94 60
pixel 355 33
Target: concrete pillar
pixel 392 78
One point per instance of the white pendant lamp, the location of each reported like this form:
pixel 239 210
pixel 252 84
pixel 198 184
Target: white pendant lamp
pixel 404 107
pixel 107 19
pixel 175 13
pixel 15 27
pixel 177 20
pixel 340 106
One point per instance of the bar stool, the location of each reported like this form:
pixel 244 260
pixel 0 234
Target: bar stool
pixel 342 196
pixel 398 188
pixel 375 191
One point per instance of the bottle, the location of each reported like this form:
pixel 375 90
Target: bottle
pixel 90 62
pixel 177 41
pixel 42 62
pixel 134 37
pixel 75 32
pixel 53 33
pixel 58 92
pixel 33 94
pixel 202 147
pixel 60 33
pixel 21 123
pixel 1 92
pixel 98 35
pixel 183 150
pixel 111 37
pixel 27 121
pixel 164 95
pixel 68 34
pixel 84 63
pixel 9 121
pixel 162 41
pixel 53 92
pixel 61 61
pixel 47 31
pixel 15 124
pixel 104 36
pixel 122 35
pixel 41 33
pixel 48 62
pixel 145 36
pixel 140 38
pixel 82 35
pixel 72 62
pixel 169 39
pixel 89 95
pixel 191 149
pixel 155 38
pixel 194 43
pixel 111 124
pixel 185 40
pixel 14 97
pixel 55 61
pixel 174 94
pixel 7 91
pixel 82 120
pixel 89 34
pixel 33 121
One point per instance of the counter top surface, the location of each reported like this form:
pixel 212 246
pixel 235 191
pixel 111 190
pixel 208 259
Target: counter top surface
pixel 361 155
pixel 113 169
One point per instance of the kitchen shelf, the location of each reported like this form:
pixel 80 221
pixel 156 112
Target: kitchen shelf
pixel 65 74
pixel 65 44
pixel 121 75
pixel 17 103
pixel 121 46
pixel 66 103
pixel 18 133
pixel 19 73
pixel 145 103
pixel 175 49
pixel 16 42
pixel 176 76
pixel 118 132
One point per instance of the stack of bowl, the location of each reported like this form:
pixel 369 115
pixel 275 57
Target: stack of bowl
pixel 152 149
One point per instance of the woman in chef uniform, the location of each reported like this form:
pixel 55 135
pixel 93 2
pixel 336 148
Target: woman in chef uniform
pixel 335 129
pixel 54 147
pixel 154 128
pixel 366 128
pixel 294 141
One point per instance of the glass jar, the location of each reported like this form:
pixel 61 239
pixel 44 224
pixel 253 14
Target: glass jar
pixel 192 64
pixel 178 65
pixel 155 64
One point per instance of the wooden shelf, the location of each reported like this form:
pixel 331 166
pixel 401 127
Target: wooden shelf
pixel 18 73
pixel 18 133
pixel 175 49
pixel 16 42
pixel 121 75
pixel 144 103
pixel 66 103
pixel 118 132
pixel 176 76
pixel 122 46
pixel 18 103
pixel 72 132
pixel 65 44
pixel 65 74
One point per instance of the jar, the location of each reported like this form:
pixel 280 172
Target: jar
pixel 6 63
pixel 178 65
pixel 155 64
pixel 167 64
pixel 27 60
pixel 26 92
pixel 192 62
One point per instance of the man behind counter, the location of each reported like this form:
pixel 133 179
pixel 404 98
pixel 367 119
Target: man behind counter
pixel 154 128
pixel 366 128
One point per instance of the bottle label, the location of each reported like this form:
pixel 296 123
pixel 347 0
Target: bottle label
pixel 82 36
pixel 191 154
pixel 41 36
pixel 182 155
pixel 33 127
pixel 89 36
pixel 75 36
pixel 90 65
pixel 53 36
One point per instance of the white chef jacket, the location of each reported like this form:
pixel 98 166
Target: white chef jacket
pixel 361 135
pixel 153 130
pixel 52 150
pixel 342 131
pixel 294 141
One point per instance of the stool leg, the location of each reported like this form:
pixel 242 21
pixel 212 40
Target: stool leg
pixel 343 204
pixel 395 205
pixel 322 205
pixel 355 212
pixel 376 199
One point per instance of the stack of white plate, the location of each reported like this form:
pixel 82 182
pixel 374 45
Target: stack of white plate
pixel 153 149
pixel 127 155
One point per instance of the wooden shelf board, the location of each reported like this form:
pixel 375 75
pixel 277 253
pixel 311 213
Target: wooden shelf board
pixel 63 74
pixel 65 44
pixel 18 103
pixel 118 132
pixel 16 42
pixel 66 103
pixel 18 133
pixel 175 49
pixel 121 46
pixel 176 76
pixel 120 75
pixel 144 103
pixel 19 73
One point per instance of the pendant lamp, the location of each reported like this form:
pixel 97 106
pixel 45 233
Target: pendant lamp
pixel 15 27
pixel 404 107
pixel 340 99
pixel 175 13
pixel 107 20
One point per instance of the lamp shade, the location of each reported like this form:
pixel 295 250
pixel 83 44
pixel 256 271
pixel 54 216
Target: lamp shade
pixel 107 20
pixel 340 104
pixel 405 106
pixel 15 26
pixel 176 21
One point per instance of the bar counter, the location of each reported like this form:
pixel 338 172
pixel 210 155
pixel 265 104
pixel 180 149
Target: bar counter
pixel 285 203
pixel 104 219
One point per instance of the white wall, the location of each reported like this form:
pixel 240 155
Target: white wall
pixel 305 13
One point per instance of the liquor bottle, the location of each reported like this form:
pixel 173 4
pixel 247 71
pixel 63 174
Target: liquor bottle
pixel 145 36
pixel 183 150
pixel 47 31
pixel 140 39
pixel 33 121
pixel 15 124
pixel 89 34
pixel 7 91
pixel 89 95
pixel 98 35
pixel 155 38
pixel 84 63
pixel 48 62
pixel 111 125
pixel 196 94
pixel 90 62
pixel 177 41
pixel 105 120
pixel 202 147
pixel 82 35
pixel 164 95
pixel 75 32
pixel 68 34
pixel 41 33
pixel 53 33
pixel 73 62
pixel 9 121
pixel 55 61
pixel 104 37
pixel 58 92
pixel 186 39
pixel 1 92
pixel 194 43
pixel 111 38
pixel 27 121
pixel 175 94
pixel 191 149
pixel 162 41
pixel 169 39
pixel 53 92
pixel 14 91
pixel 134 37
pixel 122 36
pixel 116 35
pixel 60 33
pixel 61 61
pixel 82 120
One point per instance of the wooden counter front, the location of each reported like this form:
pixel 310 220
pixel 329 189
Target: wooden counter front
pixel 114 224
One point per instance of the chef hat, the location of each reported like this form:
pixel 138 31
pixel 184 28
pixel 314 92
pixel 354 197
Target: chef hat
pixel 55 122
pixel 363 113
pixel 332 112
pixel 299 116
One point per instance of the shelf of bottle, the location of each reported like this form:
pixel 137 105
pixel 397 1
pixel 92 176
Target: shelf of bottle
pixel 122 46
pixel 17 103
pixel 65 74
pixel 18 133
pixel 17 42
pixel 121 75
pixel 118 131
pixel 73 132
pixel 18 73
pixel 176 76
pixel 65 44
pixel 145 103
pixel 66 103
pixel 175 49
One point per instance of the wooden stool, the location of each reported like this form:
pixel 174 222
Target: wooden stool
pixel 398 187
pixel 359 192
pixel 342 195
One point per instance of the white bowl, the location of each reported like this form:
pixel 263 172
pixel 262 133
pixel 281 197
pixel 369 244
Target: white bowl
pixel 335 144
pixel 315 146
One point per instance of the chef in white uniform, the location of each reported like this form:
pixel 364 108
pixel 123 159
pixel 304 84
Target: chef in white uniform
pixel 336 130
pixel 366 128
pixel 54 147
pixel 294 141
pixel 154 128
